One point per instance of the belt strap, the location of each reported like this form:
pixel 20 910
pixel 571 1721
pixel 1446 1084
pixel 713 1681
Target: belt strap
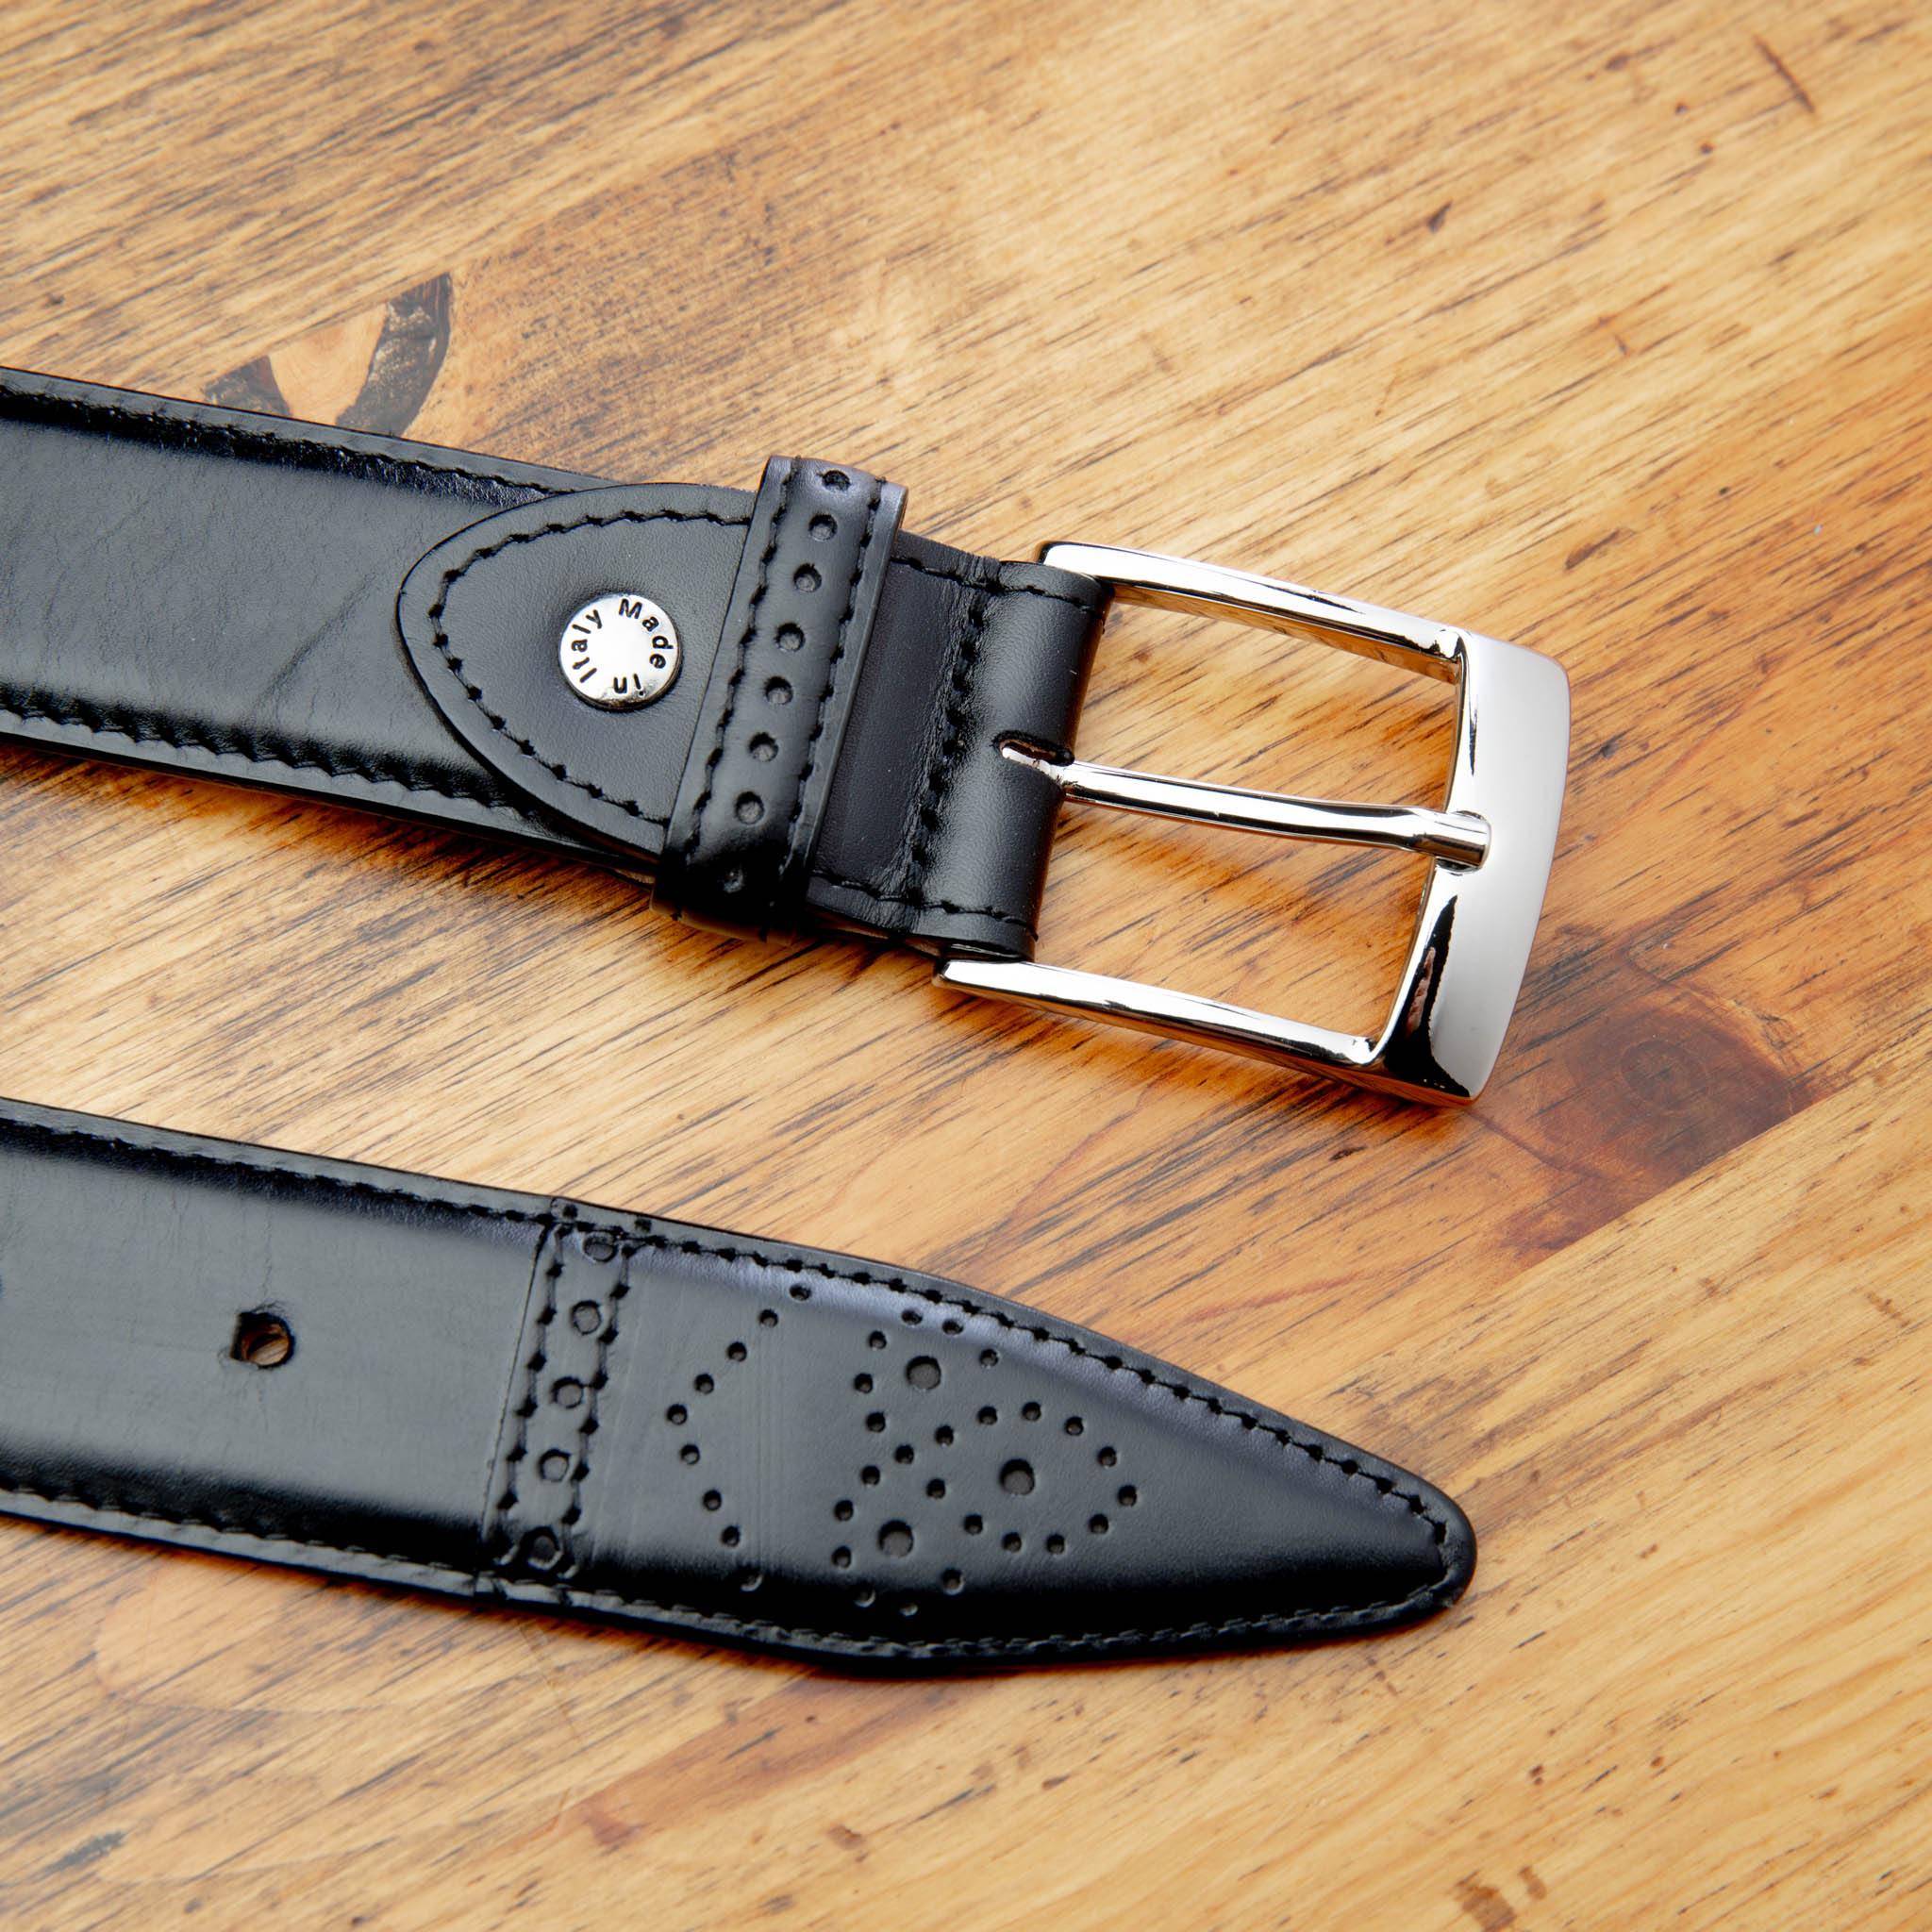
pixel 215 591
pixel 530 1400
pixel 782 706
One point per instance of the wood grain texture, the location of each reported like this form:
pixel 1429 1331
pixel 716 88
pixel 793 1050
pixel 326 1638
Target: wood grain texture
pixel 1606 329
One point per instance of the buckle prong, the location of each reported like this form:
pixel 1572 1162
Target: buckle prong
pixel 1457 839
pixel 1490 845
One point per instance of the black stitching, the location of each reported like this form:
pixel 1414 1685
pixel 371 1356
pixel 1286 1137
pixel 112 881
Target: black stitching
pixel 507 1539
pixel 1286 1623
pixel 631 1242
pixel 945 755
pixel 439 637
pixel 533 1368
pixel 228 1164
pixel 920 903
pixel 999 586
pixel 606 1341
pixel 140 727
pixel 193 429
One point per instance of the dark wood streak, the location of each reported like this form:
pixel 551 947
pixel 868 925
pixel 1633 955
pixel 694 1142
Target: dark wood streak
pixel 404 364
pixel 1785 75
pixel 402 370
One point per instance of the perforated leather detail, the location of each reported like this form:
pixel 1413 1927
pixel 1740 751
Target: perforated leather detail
pixel 499 1395
pixel 782 687
pixel 893 1463
pixel 550 1421
pixel 246 580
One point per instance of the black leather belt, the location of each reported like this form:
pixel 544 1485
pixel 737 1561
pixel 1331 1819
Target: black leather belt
pixel 786 711
pixel 780 707
pixel 538 1402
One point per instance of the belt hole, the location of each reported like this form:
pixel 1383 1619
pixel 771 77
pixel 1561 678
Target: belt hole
pixel 262 1340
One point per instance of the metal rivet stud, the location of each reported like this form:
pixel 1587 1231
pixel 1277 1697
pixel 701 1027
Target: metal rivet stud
pixel 619 651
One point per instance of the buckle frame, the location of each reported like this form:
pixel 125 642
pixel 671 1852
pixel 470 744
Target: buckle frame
pixel 1491 844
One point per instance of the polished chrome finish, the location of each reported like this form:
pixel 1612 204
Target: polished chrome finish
pixel 1491 844
pixel 1151 1008
pixel 619 651
pixel 1211 590
pixel 1399 828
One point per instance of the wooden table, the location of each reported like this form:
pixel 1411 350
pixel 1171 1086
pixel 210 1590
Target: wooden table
pixel 1602 329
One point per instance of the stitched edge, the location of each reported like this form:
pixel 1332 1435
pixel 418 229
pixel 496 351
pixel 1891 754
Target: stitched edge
pixel 195 429
pixel 441 638
pixel 514 1457
pixel 751 630
pixel 147 728
pixel 231 1164
pixel 192 431
pixel 818 718
pixel 143 728
pixel 683 1616
pixel 999 585
pixel 631 1243
pixel 946 758
pixel 923 904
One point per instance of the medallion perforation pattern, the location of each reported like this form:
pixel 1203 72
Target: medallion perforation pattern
pixel 993 1497
pixel 894 1466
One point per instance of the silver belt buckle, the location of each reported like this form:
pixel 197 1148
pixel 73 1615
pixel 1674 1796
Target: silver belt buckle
pixel 1491 843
